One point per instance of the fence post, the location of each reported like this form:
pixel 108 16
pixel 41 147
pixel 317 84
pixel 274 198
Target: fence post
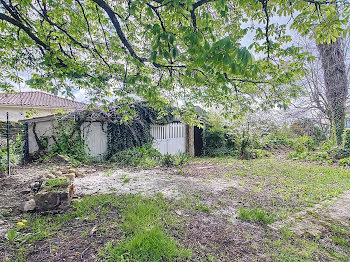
pixel 8 142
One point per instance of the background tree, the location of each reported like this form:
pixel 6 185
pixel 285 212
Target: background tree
pixel 313 103
pixel 163 50
pixel 332 58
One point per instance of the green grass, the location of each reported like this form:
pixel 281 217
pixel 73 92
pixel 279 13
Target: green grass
pixel 143 223
pixel 146 238
pixel 150 245
pixel 54 183
pixel 284 186
pixel 126 180
pixel 256 215
pixel 203 208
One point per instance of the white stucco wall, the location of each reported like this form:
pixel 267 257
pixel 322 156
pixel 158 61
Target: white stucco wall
pixel 18 113
pixel 95 137
pixel 168 139
pixel 45 128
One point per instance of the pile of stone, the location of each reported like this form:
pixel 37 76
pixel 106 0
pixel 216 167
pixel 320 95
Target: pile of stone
pixel 50 194
pixel 54 191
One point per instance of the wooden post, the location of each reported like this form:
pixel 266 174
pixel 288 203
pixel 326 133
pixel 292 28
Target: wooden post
pixel 190 139
pixel 8 142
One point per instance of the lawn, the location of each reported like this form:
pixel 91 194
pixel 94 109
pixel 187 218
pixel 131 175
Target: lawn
pixel 228 224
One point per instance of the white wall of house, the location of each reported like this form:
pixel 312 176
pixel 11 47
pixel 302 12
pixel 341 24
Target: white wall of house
pixel 17 113
pixel 95 137
pixel 42 129
pixel 168 139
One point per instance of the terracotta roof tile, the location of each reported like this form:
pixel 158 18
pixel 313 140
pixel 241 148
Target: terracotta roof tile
pixel 38 99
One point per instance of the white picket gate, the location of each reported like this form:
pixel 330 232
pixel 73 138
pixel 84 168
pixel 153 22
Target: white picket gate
pixel 170 138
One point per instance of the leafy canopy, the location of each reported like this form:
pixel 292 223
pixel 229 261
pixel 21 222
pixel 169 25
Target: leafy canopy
pixel 194 51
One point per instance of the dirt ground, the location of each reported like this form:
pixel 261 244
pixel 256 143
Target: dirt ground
pixel 216 235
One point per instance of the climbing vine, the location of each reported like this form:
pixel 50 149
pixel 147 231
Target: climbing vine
pixel 136 131
pixel 127 126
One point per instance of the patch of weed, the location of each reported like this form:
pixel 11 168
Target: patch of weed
pixel 54 183
pixel 256 215
pixel 203 208
pixel 146 239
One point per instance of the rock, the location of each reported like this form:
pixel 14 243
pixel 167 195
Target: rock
pixel 29 205
pixel 57 173
pixel 70 176
pixel 72 170
pixel 36 186
pixel 49 200
pixel 50 176
pixel 60 159
pixel 79 174
pixel 26 191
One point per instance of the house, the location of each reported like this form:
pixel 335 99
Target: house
pixel 172 138
pixel 37 103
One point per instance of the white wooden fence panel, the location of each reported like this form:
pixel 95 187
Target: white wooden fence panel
pixel 170 138
pixel 95 138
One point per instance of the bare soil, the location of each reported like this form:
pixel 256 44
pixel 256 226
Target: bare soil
pixel 216 234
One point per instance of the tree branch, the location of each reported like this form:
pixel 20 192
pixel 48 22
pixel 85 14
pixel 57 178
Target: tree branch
pixel 118 28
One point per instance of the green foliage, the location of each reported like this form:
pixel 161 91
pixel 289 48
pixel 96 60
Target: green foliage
pixel 12 235
pixel 147 157
pixel 303 143
pixel 328 145
pixel 256 215
pixel 339 153
pixel 186 49
pixel 149 245
pixel 68 141
pixel 344 161
pixel 176 160
pixel 346 139
pixel 276 140
pixel 299 155
pixel 16 152
pixel 203 208
pixel 133 131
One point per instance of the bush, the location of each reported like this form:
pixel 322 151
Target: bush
pixel 144 156
pixel 147 157
pixel 16 152
pixel 303 143
pixel 299 155
pixel 339 153
pixel 346 139
pixel 344 161
pixel 275 141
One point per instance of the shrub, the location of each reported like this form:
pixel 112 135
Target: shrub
pixel 344 161
pixel 275 141
pixel 167 160
pixel 16 152
pixel 299 155
pixel 147 157
pixel 303 143
pixel 339 153
pixel 346 139
pixel 260 153
pixel 144 156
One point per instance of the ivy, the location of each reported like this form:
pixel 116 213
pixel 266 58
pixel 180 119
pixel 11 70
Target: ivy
pixel 123 135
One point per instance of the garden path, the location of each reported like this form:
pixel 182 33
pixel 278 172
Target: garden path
pixel 314 220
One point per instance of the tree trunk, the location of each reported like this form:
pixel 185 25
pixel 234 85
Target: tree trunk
pixel 336 82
